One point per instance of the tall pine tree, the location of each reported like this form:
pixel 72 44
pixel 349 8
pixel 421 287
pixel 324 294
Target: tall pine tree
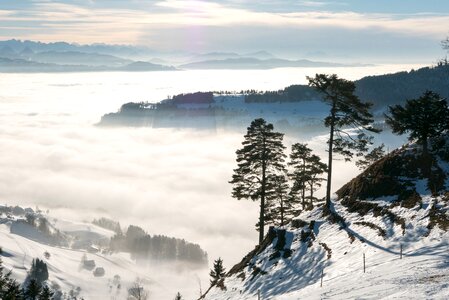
pixel 299 175
pixel 33 290
pixel 46 293
pixel 262 155
pixel 349 121
pixel 279 206
pixel 422 118
pixel 315 171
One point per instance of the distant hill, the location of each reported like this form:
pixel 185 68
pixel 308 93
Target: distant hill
pixel 395 88
pixel 296 106
pixel 76 58
pixel 381 90
pixel 255 63
pixel 8 65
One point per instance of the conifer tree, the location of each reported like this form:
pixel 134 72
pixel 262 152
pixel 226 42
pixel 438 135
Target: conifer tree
pixel 347 111
pixel 33 290
pixel 316 169
pixel 46 293
pixel 38 270
pixel 279 206
pixel 299 163
pixel 4 278
pixel 178 296
pixel 422 118
pixel 262 155
pixel 218 271
pixel 13 291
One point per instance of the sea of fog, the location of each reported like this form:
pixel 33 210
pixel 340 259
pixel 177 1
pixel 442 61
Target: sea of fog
pixel 171 182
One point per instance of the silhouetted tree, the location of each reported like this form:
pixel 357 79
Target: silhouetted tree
pixel 9 288
pixel 261 156
pixel 217 272
pixel 421 118
pixel 33 290
pixel 279 204
pixel 349 121
pixel 38 271
pixel 315 171
pixel 374 155
pixel 445 43
pixel 178 296
pixel 299 175
pixel 46 293
pixel 445 46
pixel 13 291
pixel 306 172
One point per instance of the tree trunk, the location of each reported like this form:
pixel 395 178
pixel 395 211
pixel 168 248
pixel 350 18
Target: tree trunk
pixel 311 194
pixel 262 197
pixel 303 185
pixel 425 147
pixel 329 163
pixel 282 212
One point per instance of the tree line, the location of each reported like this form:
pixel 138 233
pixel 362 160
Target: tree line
pixel 141 245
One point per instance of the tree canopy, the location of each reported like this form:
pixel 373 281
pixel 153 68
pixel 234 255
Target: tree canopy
pixel 261 156
pixel 421 118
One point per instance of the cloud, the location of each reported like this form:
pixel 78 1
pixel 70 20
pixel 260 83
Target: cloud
pixel 145 23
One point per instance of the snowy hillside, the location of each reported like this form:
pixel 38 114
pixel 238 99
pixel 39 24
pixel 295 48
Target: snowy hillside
pixel 80 262
pixel 396 203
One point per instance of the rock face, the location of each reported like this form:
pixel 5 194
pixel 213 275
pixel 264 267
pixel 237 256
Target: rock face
pixel 402 174
pixel 395 213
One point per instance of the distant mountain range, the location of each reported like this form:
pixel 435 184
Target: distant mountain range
pixel 8 65
pixel 31 56
pixel 256 63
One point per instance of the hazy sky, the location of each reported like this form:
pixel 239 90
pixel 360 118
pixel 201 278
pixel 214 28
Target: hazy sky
pixel 399 29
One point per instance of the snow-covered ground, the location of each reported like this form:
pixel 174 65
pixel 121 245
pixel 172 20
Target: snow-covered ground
pixel 66 268
pixel 317 248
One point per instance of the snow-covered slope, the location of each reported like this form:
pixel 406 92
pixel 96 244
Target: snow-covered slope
pixel 74 250
pixel 396 203
pixel 65 264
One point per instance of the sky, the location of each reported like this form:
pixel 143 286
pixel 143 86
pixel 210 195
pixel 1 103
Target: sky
pixel 390 30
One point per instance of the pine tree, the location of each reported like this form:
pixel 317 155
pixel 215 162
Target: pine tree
pixel 279 207
pixel 9 288
pixel 261 156
pixel 347 111
pixel 4 278
pixel 299 175
pixel 178 296
pixel 13 291
pixel 46 293
pixel 218 271
pixel 33 290
pixel 374 155
pixel 422 118
pixel 38 270
pixel 316 169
